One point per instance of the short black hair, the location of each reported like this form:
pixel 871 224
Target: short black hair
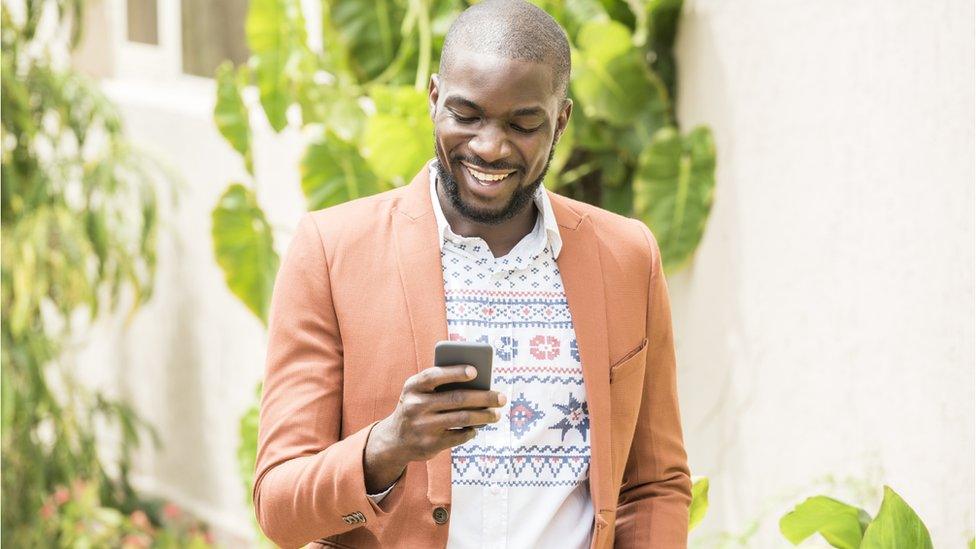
pixel 514 29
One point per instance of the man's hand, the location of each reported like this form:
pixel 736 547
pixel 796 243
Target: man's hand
pixel 421 425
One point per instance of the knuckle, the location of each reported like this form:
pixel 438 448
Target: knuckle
pixel 457 397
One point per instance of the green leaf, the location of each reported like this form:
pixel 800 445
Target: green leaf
pixel 842 525
pixel 370 34
pixel 275 31
pixel 673 189
pixel 699 502
pixel 662 16
pixel 244 248
pixel 247 448
pixel 398 139
pixel 333 172
pixel 611 81
pixel 896 526
pixel 230 114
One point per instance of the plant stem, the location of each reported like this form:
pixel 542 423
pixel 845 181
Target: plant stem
pixel 423 63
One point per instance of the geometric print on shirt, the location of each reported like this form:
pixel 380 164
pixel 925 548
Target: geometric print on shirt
pixel 518 306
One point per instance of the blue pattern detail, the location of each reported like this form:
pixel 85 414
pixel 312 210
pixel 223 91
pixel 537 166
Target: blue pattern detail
pixel 523 414
pixel 576 417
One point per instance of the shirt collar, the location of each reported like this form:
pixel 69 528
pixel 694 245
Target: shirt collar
pixel 540 198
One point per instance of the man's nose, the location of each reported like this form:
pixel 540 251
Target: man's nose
pixel 491 144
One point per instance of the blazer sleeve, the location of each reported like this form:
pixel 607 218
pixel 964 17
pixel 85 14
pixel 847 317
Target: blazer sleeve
pixel 652 510
pixel 308 484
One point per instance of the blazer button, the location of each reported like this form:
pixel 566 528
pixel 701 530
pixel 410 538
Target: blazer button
pixel 440 515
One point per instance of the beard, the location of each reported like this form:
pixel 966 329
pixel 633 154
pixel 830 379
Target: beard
pixel 519 200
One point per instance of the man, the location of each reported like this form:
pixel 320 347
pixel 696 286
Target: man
pixel 581 441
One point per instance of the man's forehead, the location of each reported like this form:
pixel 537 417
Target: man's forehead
pixel 485 77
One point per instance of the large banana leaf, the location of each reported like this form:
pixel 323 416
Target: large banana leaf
pixel 230 113
pixel 673 189
pixel 244 248
pixel 896 526
pixel 699 502
pixel 842 525
pixel 610 79
pixel 333 172
pixel 399 137
pixel 275 31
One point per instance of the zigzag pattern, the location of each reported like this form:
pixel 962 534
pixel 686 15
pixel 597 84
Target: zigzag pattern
pixel 519 483
pixel 487 465
pixel 562 380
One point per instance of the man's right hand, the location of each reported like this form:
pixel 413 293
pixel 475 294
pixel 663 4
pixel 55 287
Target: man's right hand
pixel 426 422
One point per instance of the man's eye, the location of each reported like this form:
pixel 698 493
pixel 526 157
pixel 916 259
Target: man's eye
pixel 525 130
pixel 464 119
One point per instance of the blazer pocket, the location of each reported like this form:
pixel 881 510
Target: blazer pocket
pixel 631 362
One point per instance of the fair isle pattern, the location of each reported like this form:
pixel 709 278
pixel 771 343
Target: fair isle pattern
pixel 536 363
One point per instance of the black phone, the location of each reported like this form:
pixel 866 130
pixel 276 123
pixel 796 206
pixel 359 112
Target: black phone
pixel 453 353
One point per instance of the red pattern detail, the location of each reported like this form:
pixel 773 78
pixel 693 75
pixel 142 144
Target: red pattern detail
pixel 544 347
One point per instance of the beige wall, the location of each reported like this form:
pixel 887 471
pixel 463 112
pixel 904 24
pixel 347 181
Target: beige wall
pixel 825 330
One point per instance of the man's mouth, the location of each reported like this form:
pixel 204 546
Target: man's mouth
pixel 487 177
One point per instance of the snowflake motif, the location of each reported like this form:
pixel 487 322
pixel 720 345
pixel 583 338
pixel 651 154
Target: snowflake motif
pixel 506 348
pixel 576 416
pixel 523 414
pixel 574 350
pixel 544 347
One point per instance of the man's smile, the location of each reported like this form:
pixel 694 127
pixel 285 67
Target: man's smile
pixel 487 177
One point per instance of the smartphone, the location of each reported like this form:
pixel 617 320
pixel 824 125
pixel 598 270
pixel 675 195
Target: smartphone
pixel 453 353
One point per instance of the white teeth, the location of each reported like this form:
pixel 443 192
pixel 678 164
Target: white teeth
pixel 481 176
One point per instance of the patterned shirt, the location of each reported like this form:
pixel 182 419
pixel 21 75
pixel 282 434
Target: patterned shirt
pixel 521 482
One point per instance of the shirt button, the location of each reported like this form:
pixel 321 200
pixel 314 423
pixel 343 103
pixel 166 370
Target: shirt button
pixel 495 490
pixel 440 515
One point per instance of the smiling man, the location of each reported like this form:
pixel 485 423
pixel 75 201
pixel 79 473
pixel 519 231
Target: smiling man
pixel 578 443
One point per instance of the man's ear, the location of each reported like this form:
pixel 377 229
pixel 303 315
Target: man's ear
pixel 433 92
pixel 562 119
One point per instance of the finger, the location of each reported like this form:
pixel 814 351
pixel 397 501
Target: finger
pixel 430 378
pixel 466 398
pixel 467 418
pixel 459 436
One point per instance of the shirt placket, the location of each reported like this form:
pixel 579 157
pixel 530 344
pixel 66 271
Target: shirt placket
pixel 495 523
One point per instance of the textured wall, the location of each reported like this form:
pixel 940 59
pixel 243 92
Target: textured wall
pixel 825 329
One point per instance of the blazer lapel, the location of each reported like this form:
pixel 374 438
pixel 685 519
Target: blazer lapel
pixel 419 261
pixel 580 267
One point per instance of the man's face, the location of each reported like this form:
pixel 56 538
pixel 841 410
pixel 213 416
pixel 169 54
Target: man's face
pixel 496 121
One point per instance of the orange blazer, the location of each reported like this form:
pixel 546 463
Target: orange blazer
pixel 358 305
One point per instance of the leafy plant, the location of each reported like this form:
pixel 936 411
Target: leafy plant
pixel 844 526
pixel 77 518
pixel 699 502
pixel 79 218
pixel 361 101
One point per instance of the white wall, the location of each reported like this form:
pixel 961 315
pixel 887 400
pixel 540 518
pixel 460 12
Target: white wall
pixel 825 330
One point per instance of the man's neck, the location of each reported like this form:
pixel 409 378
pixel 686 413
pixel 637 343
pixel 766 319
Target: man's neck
pixel 501 238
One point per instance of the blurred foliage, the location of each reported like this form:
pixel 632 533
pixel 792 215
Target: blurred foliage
pixel 699 502
pixel 896 526
pixel 78 519
pixel 79 219
pixel 361 100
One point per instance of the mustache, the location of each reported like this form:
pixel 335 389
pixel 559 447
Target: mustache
pixel 479 163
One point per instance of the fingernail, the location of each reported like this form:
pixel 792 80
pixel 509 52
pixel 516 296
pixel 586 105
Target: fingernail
pixel 471 372
pixel 502 399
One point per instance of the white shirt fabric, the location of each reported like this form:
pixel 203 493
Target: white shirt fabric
pixel 521 482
